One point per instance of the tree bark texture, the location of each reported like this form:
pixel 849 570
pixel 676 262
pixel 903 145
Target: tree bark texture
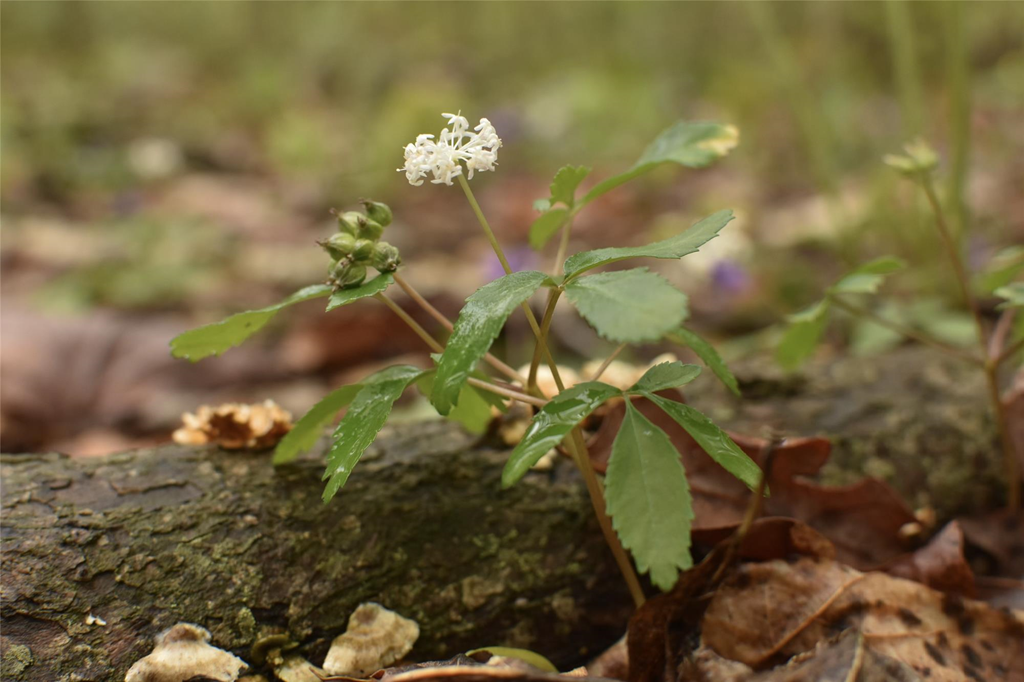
pixel 143 540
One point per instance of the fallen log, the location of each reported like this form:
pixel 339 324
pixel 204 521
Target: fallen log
pixel 99 555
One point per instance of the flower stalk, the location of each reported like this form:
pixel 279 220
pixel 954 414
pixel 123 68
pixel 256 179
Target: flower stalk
pixel 991 363
pixel 436 346
pixel 423 303
pixel 443 158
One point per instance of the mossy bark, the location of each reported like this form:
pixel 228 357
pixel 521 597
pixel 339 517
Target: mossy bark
pixel 915 418
pixel 146 539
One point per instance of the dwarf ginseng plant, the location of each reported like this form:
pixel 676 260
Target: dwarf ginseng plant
pixel 644 502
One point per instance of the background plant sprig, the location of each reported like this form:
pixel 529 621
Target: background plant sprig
pixel 806 328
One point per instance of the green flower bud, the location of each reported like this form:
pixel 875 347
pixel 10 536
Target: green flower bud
pixel 351 222
pixel 363 249
pixel 339 245
pixel 375 210
pixel 386 257
pixel 371 230
pixel 346 274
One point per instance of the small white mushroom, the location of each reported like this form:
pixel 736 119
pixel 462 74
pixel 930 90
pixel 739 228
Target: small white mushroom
pixel 183 652
pixel 375 639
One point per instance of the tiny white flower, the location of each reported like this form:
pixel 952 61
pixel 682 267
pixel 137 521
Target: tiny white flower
pixel 443 157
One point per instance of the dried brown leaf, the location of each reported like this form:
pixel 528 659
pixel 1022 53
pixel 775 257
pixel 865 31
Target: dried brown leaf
pixel 862 520
pixel 768 612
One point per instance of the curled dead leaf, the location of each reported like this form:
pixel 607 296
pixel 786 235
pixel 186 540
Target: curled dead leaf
pixel 940 564
pixel 234 426
pixel 804 616
pixel 862 520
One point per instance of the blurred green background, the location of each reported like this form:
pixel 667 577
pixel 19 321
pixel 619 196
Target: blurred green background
pixel 166 163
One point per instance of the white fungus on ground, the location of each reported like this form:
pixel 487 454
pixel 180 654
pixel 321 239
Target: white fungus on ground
pixel 182 653
pixel 375 639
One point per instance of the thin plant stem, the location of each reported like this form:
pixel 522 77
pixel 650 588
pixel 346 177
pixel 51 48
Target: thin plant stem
pixel 580 455
pixel 507 392
pixel 436 346
pixel 908 332
pixel 953 251
pixel 997 341
pixel 423 303
pixel 1010 351
pixel 500 253
pixel 787 70
pixel 545 328
pixel 991 365
pixel 607 362
pixel 958 76
pixel 1012 471
pixel 905 65
pixel 575 442
pixel 819 141
pixel 563 245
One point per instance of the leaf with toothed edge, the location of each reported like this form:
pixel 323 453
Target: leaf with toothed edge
pixel 214 339
pixel 648 499
pixel 479 323
pixel 711 439
pixel 371 288
pixel 628 306
pixel 365 418
pixel 693 144
pixel 664 376
pixel 307 431
pixel 686 242
pixel 708 355
pixel 551 424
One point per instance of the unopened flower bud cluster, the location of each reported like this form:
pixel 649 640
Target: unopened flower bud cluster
pixel 443 157
pixel 357 245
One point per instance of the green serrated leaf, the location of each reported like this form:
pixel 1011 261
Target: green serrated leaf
pixel 365 418
pixel 867 278
pixel 628 306
pixel 474 409
pixel 372 288
pixel 712 440
pixel 1014 295
pixel 214 339
pixel 802 336
pixel 1006 265
pixel 708 355
pixel 648 498
pixel 686 242
pixel 478 325
pixel 307 431
pixel 665 376
pixel 691 144
pixel 546 226
pixel 567 179
pixel 552 423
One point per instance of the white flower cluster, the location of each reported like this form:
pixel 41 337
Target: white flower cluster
pixel 441 157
